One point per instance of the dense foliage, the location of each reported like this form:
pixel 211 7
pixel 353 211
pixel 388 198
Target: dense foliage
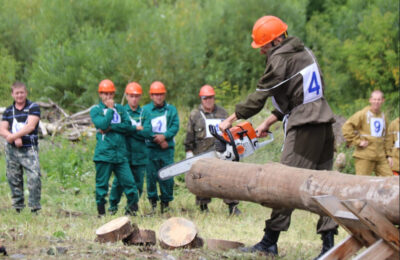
pixel 62 49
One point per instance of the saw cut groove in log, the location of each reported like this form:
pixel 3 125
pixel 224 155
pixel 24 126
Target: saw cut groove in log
pixel 278 186
pixel 141 237
pixel 177 232
pixel 115 230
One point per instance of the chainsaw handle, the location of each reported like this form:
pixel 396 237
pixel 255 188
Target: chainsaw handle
pixel 233 144
pixel 213 131
pixel 268 141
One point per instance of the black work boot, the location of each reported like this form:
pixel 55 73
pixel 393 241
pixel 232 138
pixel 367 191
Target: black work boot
pixel 267 245
pixel 328 242
pixel 35 211
pixel 233 209
pixel 101 210
pixel 204 208
pixel 133 209
pixel 3 250
pixel 164 206
pixel 153 203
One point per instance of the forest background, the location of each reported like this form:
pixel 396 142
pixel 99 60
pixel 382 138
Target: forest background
pixel 63 49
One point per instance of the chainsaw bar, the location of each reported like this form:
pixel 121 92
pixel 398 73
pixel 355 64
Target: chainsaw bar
pixel 183 166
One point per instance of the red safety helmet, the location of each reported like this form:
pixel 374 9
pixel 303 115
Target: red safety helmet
pixel 157 87
pixel 133 88
pixel 106 86
pixel 266 29
pixel 206 91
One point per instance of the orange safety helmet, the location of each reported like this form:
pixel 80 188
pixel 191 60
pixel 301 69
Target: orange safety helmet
pixel 157 87
pixel 106 86
pixel 266 29
pixel 206 91
pixel 133 88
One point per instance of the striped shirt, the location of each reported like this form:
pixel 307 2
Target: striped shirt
pixel 21 116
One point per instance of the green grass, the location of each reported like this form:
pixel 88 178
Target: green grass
pixel 68 186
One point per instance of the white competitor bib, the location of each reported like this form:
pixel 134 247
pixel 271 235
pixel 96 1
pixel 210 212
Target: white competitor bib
pixel 17 126
pixel 159 124
pixel 116 117
pixel 376 126
pixel 212 121
pixel 312 85
pixel 134 123
pixel 397 143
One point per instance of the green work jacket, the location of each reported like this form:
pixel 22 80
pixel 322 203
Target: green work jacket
pixel 169 128
pixel 136 139
pixel 111 146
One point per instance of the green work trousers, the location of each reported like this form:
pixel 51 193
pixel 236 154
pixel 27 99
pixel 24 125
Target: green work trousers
pixel 122 173
pixel 158 159
pixel 138 172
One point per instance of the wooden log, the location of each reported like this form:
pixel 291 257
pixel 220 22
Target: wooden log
pixel 177 232
pixel 115 230
pixel 275 185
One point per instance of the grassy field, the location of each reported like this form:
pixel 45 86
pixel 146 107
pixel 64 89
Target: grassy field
pixel 68 219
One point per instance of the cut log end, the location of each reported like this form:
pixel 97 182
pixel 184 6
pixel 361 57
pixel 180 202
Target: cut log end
pixel 115 230
pixel 177 232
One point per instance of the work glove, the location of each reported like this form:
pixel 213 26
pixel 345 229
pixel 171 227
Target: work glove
pixel 189 154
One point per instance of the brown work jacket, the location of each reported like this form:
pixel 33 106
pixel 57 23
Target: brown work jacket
pixel 358 127
pixel 285 80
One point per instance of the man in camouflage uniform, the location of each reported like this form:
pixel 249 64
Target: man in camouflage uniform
pixel 19 127
pixel 393 141
pixel 366 130
pixel 293 80
pixel 199 140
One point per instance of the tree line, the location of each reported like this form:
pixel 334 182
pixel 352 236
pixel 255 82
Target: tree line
pixel 63 49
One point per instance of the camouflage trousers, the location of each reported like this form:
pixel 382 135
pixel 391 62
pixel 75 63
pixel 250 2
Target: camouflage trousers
pixel 19 160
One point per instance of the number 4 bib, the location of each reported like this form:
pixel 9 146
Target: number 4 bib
pixel 311 83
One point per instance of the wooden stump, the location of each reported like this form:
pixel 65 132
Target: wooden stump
pixel 218 244
pixel 115 230
pixel 177 232
pixel 141 237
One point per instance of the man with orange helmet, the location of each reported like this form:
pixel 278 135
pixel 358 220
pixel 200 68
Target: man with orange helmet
pixel 164 122
pixel 199 139
pixel 294 82
pixel 135 138
pixel 111 154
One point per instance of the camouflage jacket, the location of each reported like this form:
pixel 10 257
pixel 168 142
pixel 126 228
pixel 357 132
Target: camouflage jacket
pixel 196 140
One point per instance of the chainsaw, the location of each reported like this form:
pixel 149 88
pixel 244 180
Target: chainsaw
pixel 234 144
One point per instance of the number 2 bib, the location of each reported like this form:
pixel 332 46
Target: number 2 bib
pixel 159 124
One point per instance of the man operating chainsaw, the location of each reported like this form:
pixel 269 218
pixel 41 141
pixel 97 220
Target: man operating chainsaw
pixel 199 139
pixel 293 80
